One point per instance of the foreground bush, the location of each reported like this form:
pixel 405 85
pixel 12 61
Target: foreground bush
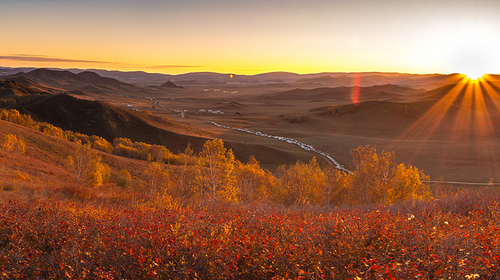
pixel 456 238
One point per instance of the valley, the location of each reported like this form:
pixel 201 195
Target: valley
pixel 413 115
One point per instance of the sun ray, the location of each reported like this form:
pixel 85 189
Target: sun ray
pixel 486 121
pixel 461 127
pixel 426 125
pixel 466 116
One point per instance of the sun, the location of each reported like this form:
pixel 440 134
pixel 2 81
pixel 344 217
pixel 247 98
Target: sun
pixel 469 49
pixel 473 64
pixel 474 76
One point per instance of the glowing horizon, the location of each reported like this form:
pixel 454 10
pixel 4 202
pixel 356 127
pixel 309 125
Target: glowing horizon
pixel 243 37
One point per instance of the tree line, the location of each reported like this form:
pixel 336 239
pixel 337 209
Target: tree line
pixel 215 173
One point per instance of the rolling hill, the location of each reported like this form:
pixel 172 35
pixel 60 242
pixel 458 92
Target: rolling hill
pixel 68 81
pixel 345 94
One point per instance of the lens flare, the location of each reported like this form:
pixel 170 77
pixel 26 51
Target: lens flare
pixel 355 89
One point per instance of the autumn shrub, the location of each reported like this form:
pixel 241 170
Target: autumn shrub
pixel 124 179
pixel 157 176
pixel 162 239
pixel 12 143
pixel 86 167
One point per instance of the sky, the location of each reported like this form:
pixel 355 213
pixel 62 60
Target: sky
pixel 250 37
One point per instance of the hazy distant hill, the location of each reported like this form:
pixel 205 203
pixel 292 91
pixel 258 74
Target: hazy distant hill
pixel 327 79
pixel 7 71
pixel 169 84
pixel 67 79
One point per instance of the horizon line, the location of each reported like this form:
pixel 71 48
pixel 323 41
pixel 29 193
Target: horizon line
pixel 236 74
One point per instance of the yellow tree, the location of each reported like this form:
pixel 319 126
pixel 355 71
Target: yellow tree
pixel 157 177
pixel 336 187
pixel 86 166
pixel 253 183
pixel 408 185
pixel 376 178
pixel 372 174
pixel 186 172
pixel 124 179
pixel 217 177
pixel 302 183
pixel 101 144
pixel 13 144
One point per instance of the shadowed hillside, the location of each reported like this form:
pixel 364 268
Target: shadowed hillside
pixel 110 122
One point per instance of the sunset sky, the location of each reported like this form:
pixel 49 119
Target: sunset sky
pixel 249 37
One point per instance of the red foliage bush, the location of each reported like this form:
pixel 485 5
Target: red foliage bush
pixel 219 240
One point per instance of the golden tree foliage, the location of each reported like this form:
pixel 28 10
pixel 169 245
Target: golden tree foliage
pixel 13 144
pixel 376 178
pixel 14 116
pixel 372 174
pixel 407 185
pixel 252 182
pixel 302 183
pixel 101 144
pixel 186 173
pixel 336 187
pixel 124 179
pixel 139 150
pixel 87 168
pixel 157 178
pixel 217 176
pixel 53 130
pixel 216 172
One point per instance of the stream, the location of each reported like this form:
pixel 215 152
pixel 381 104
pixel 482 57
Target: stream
pixel 289 141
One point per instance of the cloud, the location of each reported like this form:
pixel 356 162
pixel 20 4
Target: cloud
pixel 43 58
pixel 173 66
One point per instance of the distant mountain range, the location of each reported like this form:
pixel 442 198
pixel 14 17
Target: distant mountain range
pixel 427 81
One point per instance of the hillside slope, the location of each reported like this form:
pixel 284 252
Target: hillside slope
pixel 42 169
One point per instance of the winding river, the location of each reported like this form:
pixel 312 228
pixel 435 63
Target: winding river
pixel 289 141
